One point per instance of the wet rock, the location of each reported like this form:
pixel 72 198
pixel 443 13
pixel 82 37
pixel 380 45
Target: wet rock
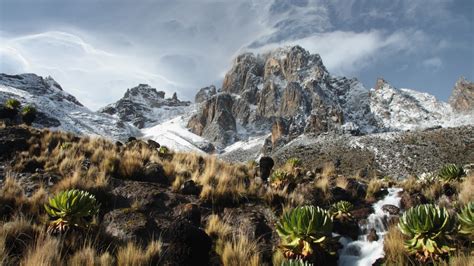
pixel 188 245
pixel 266 164
pixel 372 236
pixel 362 213
pixel 391 209
pixel 348 228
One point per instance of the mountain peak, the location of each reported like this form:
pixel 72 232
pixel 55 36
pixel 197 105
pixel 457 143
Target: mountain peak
pixel 145 106
pixel 462 97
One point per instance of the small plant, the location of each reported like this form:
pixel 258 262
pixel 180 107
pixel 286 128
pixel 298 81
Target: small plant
pixel 71 208
pixel 341 210
pixel 28 114
pixel 427 178
pixel 451 172
pixel 304 231
pixel 298 262
pixel 65 145
pixel 428 226
pixel 163 150
pixel 13 104
pixel 294 162
pixel 280 178
pixel 466 220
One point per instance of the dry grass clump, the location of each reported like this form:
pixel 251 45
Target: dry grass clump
pixel 132 254
pixel 433 191
pixel 12 197
pixel 373 187
pixel 411 185
pixel 394 248
pixel 15 237
pixel 460 259
pixel 233 249
pixel 329 169
pixel 342 182
pixel 466 191
pixel 47 251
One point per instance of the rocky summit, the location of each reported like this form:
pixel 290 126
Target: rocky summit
pixel 289 92
pixel 144 106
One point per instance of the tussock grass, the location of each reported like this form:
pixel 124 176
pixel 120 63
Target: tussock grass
pixel 132 254
pixel 395 253
pixel 466 190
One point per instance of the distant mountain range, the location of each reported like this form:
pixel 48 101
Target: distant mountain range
pixel 265 102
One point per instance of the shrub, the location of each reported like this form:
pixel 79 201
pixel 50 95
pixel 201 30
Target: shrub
pixel 341 210
pixel 298 262
pixel 163 150
pixel 280 178
pixel 428 226
pixel 71 208
pixel 13 104
pixel 451 172
pixel 466 220
pixel 304 231
pixel 28 114
pixel 294 162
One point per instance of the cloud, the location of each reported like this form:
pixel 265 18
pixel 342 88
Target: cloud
pixel 433 64
pixel 91 74
pixel 347 52
pixel 11 61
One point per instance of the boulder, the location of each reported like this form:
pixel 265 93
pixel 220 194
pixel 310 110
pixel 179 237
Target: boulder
pixel 266 164
pixel 205 94
pixel 391 209
pixel 127 225
pixel 372 236
pixel 188 245
pixel 189 187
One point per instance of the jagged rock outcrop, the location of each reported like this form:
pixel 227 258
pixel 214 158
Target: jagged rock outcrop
pixel 205 93
pixel 58 109
pixel 462 97
pixel 287 92
pixel 144 106
pixel 215 122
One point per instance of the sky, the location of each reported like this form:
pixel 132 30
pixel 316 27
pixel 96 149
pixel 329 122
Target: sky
pixel 96 49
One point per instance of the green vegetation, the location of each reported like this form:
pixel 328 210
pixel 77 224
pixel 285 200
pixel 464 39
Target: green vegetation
pixel 298 262
pixel 427 226
pixel 451 172
pixel 294 162
pixel 28 114
pixel 304 231
pixel 341 210
pixel 13 104
pixel 71 208
pixel 466 220
pixel 163 150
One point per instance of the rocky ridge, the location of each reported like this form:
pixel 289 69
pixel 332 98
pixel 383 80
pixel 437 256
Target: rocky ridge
pixel 144 106
pixel 58 109
pixel 289 92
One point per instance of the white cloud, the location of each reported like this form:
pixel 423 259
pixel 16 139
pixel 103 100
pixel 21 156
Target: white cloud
pixel 434 63
pixel 93 75
pixel 347 52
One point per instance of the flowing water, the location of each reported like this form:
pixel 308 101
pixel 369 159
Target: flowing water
pixel 362 252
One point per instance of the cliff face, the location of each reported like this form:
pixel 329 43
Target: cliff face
pixel 462 98
pixel 288 89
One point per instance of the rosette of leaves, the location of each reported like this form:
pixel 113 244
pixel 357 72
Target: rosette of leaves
pixel 280 179
pixel 304 232
pixel 13 104
pixel 298 262
pixel 294 162
pixel 163 150
pixel 428 227
pixel 28 114
pixel 71 208
pixel 341 210
pixel 466 220
pixel 451 172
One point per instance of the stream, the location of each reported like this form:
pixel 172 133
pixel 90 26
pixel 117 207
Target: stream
pixel 362 252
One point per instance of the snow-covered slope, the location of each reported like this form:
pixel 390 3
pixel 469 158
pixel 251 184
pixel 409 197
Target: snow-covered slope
pixel 406 109
pixel 144 106
pixel 60 110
